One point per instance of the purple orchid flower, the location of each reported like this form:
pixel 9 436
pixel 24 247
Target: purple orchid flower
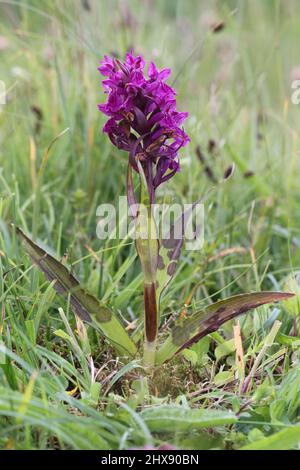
pixel 143 119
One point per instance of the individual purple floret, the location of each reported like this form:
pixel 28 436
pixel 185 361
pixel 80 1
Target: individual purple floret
pixel 143 119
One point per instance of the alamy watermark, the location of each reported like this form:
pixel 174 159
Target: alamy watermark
pixel 2 92
pixel 295 98
pixel 174 222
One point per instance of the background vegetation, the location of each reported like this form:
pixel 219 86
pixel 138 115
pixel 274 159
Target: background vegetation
pixel 233 65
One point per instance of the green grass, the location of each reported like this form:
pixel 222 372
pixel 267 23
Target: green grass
pixel 236 85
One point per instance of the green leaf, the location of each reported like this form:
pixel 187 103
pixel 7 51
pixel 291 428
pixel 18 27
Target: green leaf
pixel 169 252
pixel 197 352
pixel 224 349
pixel 292 284
pixel 282 440
pixel 201 348
pixel 223 377
pixel 84 304
pixel 193 328
pixel 176 418
pixel 62 334
pixel 170 245
pixel 291 341
pixel 190 356
pixel 278 410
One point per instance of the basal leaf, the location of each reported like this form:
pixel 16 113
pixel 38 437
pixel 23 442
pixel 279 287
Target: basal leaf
pixel 84 304
pixel 177 418
pixel 203 322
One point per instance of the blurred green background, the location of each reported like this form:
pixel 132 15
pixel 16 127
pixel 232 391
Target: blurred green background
pixel 233 66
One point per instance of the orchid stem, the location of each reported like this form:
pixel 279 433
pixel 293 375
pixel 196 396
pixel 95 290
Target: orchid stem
pixel 147 248
pixel 149 354
pixel 151 326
